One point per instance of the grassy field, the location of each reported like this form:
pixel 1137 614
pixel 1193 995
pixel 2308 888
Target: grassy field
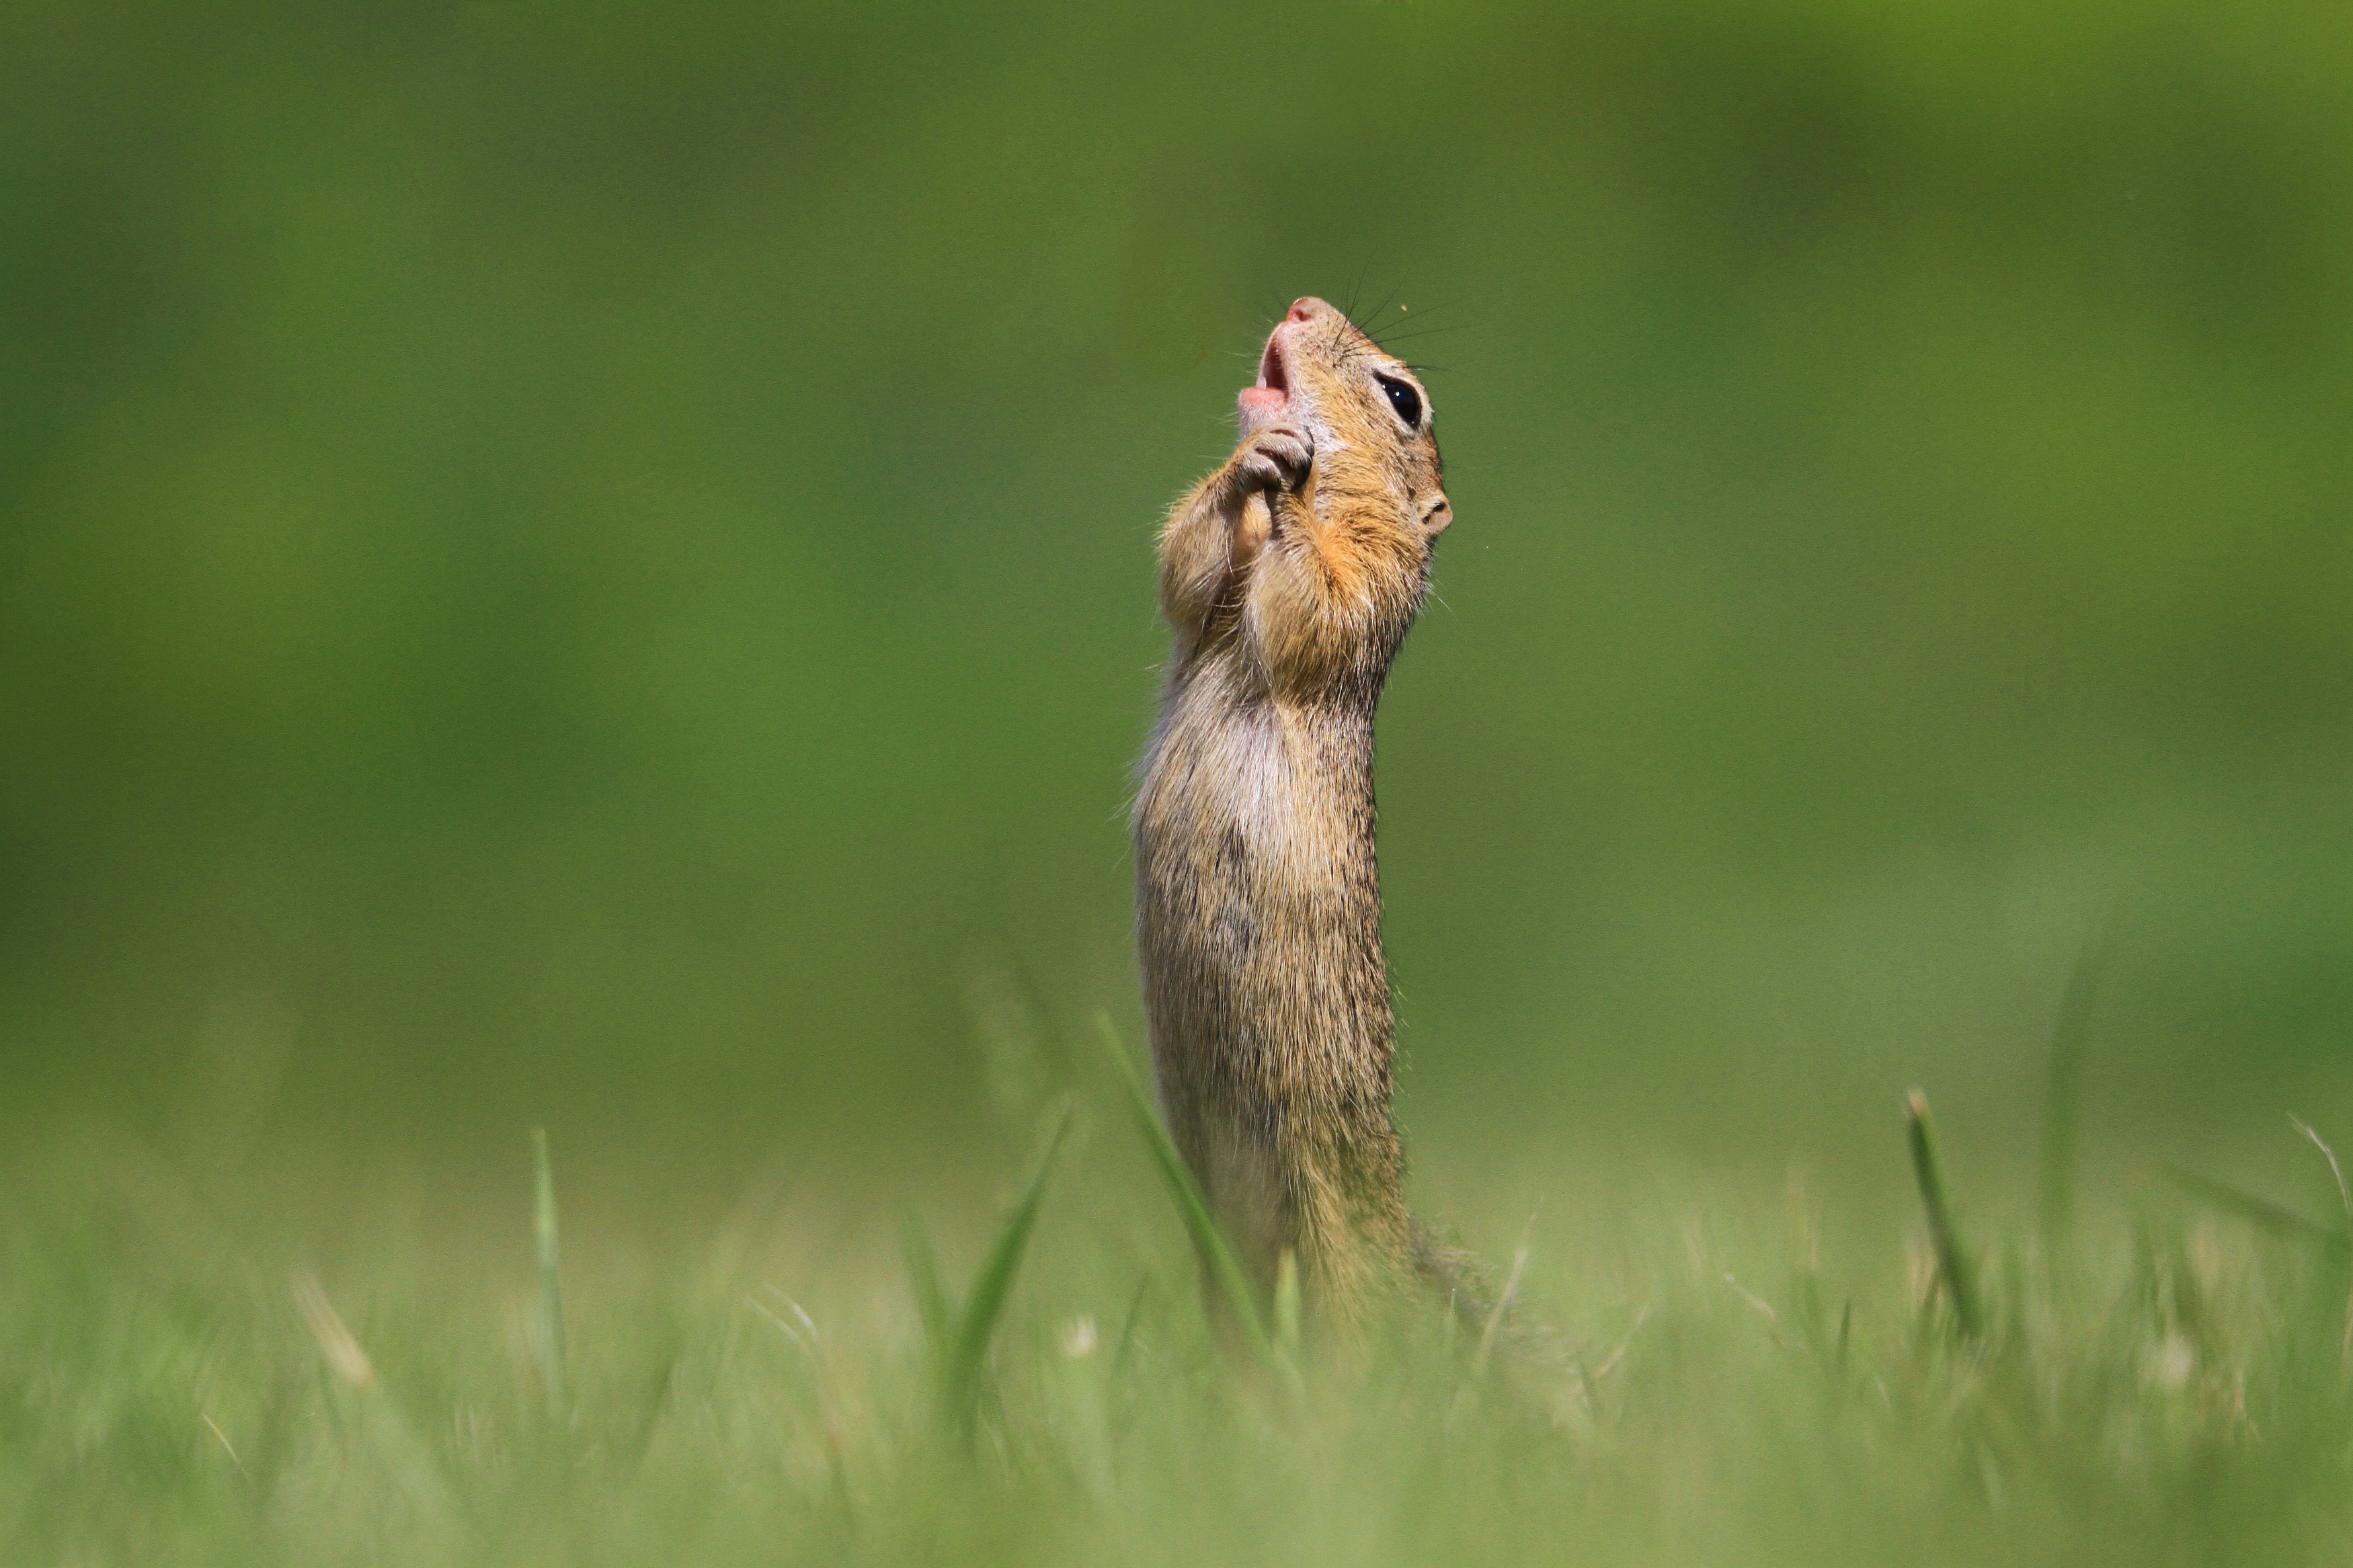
pixel 1702 1371
pixel 589 565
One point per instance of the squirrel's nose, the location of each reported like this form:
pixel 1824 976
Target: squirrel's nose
pixel 1306 309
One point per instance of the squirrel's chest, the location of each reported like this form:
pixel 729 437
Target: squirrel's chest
pixel 1252 810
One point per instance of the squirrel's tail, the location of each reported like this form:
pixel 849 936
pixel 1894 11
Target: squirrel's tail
pixel 1501 1333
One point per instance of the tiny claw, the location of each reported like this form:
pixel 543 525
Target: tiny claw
pixel 1277 459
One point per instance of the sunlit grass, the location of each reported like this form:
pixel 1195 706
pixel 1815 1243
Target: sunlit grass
pixel 2171 1387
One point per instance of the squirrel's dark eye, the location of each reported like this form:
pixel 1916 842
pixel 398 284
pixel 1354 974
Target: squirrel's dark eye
pixel 1404 399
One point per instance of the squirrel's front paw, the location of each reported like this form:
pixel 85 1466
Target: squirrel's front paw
pixel 1276 459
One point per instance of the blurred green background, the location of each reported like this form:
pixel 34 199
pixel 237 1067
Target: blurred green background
pixel 591 563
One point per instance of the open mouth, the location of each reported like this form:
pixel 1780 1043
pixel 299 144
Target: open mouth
pixel 1270 370
pixel 1262 402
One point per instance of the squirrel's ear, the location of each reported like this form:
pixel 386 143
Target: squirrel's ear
pixel 1436 513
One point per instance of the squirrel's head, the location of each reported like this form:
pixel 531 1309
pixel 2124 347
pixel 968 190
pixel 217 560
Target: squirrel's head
pixel 1367 412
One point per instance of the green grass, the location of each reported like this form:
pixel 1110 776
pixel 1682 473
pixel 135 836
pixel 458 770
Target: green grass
pixel 175 1386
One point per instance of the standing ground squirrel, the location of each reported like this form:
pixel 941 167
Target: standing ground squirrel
pixel 1289 578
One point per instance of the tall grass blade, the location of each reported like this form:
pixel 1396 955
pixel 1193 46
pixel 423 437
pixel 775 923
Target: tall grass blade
pixel 1952 1262
pixel 2064 1086
pixel 2260 1212
pixel 2345 1200
pixel 405 1458
pixel 1126 1351
pixel 931 1302
pixel 550 1276
pixel 968 1353
pixel 2344 1194
pixel 1225 1269
pixel 1493 1327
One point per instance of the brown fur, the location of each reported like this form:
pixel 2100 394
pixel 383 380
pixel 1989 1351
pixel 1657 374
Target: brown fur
pixel 1289 578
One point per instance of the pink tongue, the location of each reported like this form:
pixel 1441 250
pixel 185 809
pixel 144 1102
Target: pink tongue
pixel 1262 398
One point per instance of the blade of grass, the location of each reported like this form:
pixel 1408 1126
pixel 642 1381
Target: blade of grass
pixel 1952 1261
pixel 2260 1212
pixel 551 1281
pixel 968 1353
pixel 1121 1356
pixel 406 1458
pixel 932 1303
pixel 2063 1085
pixel 1225 1269
pixel 2345 1200
pixel 2344 1194
pixel 1495 1325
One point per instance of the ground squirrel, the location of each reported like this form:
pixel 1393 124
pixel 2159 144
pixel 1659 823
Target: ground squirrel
pixel 1288 577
